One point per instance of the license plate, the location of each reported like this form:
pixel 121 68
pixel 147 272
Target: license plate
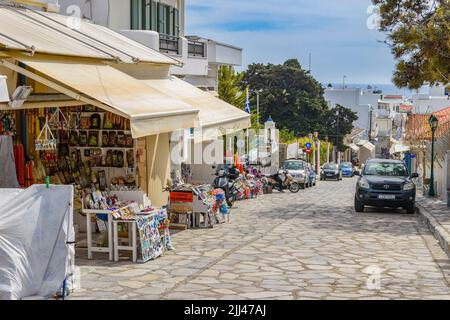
pixel 329 174
pixel 386 196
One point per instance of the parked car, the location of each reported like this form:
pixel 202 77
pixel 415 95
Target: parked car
pixel 347 169
pixel 298 170
pixel 331 171
pixel 385 183
pixel 312 175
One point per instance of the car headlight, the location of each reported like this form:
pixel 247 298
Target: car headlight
pixel 363 183
pixel 408 186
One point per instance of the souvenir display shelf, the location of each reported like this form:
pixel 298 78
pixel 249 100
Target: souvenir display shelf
pixel 113 150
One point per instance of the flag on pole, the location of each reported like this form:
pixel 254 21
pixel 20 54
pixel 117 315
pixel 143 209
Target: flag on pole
pixel 247 103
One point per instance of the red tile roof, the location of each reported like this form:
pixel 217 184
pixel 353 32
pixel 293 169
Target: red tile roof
pixel 418 127
pixel 392 97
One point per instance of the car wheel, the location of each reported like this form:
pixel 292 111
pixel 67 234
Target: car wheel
pixel 410 209
pixel 359 207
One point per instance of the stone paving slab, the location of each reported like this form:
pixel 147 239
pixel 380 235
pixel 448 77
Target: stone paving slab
pixel 310 245
pixel 436 214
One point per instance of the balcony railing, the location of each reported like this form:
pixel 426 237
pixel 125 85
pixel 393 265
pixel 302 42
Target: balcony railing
pixel 169 44
pixel 196 49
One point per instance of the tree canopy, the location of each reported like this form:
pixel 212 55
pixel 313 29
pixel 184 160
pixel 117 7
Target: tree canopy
pixel 294 100
pixel 418 32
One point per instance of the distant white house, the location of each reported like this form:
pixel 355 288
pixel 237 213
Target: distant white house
pixel 435 99
pixel 357 99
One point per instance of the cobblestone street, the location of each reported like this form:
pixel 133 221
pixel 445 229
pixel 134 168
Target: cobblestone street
pixel 310 245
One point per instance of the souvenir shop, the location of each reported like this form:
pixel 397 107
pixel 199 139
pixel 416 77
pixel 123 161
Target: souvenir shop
pixel 93 150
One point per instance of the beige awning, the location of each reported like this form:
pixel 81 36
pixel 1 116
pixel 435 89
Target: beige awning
pixel 50 33
pixel 216 116
pixel 369 146
pixel 354 147
pixel 150 110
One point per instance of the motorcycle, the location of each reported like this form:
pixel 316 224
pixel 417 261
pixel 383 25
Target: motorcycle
pixel 288 182
pixel 226 183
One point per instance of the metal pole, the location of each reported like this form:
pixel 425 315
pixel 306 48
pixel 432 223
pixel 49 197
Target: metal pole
pixel 431 191
pixel 370 123
pixel 258 133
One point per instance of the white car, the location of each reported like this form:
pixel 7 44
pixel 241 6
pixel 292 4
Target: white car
pixel 299 171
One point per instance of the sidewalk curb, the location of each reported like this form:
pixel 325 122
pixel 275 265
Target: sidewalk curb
pixel 441 235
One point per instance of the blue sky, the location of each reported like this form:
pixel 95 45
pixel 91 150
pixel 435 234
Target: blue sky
pixel 335 32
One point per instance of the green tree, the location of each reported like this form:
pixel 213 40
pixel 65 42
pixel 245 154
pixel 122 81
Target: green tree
pixel 340 123
pixel 230 89
pixel 294 99
pixel 418 32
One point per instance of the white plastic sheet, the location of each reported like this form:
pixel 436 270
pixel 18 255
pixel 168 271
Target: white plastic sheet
pixel 36 232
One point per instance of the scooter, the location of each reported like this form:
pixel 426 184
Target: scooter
pixel 224 182
pixel 288 182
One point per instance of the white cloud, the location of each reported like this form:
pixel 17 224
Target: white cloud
pixel 334 32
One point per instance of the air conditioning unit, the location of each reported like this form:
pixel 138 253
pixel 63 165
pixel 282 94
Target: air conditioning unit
pixel 4 95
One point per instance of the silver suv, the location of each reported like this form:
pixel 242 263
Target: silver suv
pixel 299 171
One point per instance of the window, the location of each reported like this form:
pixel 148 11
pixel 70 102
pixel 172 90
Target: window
pixel 144 15
pixel 163 19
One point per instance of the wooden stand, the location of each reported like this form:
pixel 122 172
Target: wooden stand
pixel 132 239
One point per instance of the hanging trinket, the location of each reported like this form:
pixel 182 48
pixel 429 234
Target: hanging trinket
pixel 45 139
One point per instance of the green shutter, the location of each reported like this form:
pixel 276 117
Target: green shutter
pixel 144 14
pixel 154 16
pixel 168 14
pixel 134 15
pixel 176 22
pixel 160 18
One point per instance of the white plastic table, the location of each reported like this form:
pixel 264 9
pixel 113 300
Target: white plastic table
pixel 91 248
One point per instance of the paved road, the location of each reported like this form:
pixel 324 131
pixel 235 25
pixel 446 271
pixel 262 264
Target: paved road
pixel 311 245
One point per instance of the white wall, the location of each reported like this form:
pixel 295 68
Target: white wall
pixel 356 99
pixel 428 104
pixel 97 10
pixel 145 37
pixel 223 54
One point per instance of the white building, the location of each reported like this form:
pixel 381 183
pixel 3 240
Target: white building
pixel 160 25
pixel 358 100
pixel 435 99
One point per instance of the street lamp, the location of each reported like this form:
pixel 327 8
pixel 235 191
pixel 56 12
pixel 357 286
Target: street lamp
pixel 433 121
